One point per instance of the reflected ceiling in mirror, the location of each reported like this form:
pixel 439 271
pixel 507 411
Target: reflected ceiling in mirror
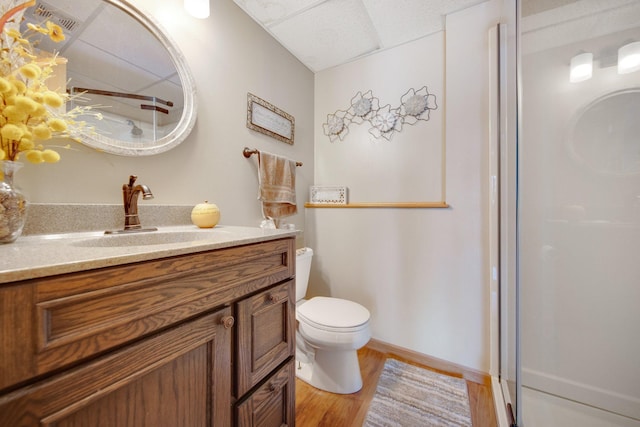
pixel 121 61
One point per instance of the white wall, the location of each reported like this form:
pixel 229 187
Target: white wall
pixel 229 55
pixel 421 272
pixel 378 169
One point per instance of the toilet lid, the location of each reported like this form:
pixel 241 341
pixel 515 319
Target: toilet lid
pixel 333 313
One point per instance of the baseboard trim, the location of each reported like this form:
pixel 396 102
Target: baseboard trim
pixel 431 362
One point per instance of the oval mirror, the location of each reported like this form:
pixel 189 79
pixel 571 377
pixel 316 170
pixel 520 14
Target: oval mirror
pixel 605 134
pixel 120 61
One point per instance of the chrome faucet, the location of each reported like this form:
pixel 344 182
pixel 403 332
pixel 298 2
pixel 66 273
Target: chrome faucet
pixel 130 195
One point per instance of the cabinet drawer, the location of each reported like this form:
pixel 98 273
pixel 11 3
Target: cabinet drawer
pixel 273 403
pixel 54 322
pixel 165 380
pixel 266 325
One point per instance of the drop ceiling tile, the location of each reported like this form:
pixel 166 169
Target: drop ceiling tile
pixel 328 34
pixel 269 12
pixel 533 7
pixel 325 33
pixel 107 71
pixel 113 31
pixel 80 11
pixel 401 21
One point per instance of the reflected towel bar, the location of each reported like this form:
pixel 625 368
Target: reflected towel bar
pixel 121 95
pixel 248 152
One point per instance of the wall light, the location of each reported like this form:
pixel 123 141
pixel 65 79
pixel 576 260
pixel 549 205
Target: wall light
pixel 629 58
pixel 581 67
pixel 197 8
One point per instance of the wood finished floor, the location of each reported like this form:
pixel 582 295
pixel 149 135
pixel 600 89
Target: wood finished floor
pixel 316 408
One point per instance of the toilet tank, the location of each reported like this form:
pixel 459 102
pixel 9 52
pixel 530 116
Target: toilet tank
pixel 303 267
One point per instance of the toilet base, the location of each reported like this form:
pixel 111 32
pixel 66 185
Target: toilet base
pixel 332 371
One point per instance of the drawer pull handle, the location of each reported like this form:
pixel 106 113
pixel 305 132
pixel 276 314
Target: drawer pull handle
pixel 273 298
pixel 227 321
pixel 272 387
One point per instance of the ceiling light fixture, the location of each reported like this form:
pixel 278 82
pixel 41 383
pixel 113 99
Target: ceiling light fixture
pixel 581 67
pixel 629 58
pixel 197 8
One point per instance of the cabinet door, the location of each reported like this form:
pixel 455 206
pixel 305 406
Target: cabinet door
pixel 273 403
pixel 180 377
pixel 265 334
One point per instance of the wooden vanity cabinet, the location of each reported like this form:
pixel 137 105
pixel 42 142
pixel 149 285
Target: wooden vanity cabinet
pixel 272 404
pixel 180 377
pixel 265 356
pixel 265 334
pixel 154 344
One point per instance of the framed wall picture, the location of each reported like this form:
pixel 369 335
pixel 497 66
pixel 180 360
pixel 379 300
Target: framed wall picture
pixel 328 195
pixel 268 119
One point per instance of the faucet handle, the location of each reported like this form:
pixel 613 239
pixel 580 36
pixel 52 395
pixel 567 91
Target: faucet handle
pixel 132 180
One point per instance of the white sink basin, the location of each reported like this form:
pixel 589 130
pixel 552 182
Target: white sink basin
pixel 149 238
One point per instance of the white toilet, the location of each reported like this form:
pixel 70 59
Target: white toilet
pixel 330 331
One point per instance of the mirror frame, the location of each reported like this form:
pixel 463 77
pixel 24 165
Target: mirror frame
pixel 189 114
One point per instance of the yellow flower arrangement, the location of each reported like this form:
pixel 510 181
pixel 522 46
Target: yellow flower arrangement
pixel 30 112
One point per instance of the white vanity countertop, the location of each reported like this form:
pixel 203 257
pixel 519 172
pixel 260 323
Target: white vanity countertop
pixel 46 255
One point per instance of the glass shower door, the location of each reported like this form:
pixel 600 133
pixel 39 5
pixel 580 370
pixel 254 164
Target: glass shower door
pixel 579 213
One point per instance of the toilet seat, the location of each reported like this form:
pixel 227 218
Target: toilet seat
pixel 333 315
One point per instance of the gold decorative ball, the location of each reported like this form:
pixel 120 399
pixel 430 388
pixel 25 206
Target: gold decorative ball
pixel 205 215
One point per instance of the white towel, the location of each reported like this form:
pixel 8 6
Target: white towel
pixel 277 190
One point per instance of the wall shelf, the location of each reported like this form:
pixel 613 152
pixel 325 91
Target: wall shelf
pixel 403 205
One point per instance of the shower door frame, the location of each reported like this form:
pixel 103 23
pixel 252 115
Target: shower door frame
pixel 505 125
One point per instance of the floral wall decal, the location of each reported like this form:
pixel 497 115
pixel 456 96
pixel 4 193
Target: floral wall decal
pixel 385 122
pixel 337 125
pixel 415 105
pixel 363 107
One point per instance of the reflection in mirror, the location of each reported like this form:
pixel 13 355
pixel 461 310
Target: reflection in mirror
pixel 120 61
pixel 605 135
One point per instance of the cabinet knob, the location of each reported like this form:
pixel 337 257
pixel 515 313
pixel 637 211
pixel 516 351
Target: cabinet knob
pixel 273 298
pixel 227 321
pixel 272 387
